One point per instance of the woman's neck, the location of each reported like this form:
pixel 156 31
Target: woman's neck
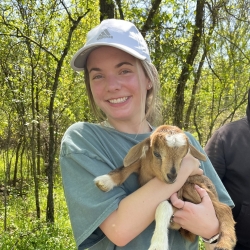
pixel 129 127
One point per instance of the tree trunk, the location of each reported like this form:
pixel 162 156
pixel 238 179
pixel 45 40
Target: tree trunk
pixel 179 101
pixel 107 9
pixel 16 162
pixel 52 121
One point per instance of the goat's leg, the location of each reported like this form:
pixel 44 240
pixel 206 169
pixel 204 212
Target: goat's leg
pixel 227 238
pixel 163 215
pixel 116 177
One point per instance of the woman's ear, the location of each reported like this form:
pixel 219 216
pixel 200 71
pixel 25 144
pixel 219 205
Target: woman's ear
pixel 149 84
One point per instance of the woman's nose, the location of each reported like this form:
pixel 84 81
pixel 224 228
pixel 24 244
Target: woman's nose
pixel 113 83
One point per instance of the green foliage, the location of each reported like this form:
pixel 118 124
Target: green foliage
pixel 25 231
pixel 201 245
pixel 38 40
pixel 38 236
pixel 37 34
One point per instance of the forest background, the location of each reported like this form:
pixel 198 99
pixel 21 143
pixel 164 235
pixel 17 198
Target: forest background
pixel 200 48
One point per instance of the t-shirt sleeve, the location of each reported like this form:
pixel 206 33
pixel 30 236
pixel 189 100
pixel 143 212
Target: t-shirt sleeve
pixel 88 206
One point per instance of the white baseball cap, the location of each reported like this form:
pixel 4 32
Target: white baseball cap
pixel 115 33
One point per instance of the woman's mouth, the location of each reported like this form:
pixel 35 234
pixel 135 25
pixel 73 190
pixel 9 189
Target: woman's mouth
pixel 118 100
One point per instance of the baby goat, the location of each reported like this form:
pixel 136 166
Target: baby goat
pixel 160 156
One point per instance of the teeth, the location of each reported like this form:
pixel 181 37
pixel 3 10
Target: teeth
pixel 119 100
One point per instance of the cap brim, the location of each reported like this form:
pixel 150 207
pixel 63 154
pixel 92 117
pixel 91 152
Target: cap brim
pixel 79 59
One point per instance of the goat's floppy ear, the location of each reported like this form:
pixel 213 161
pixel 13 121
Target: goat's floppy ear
pixel 136 152
pixel 196 153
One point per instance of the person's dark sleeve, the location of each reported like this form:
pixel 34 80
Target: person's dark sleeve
pixel 215 151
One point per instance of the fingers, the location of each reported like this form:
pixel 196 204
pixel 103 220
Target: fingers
pixel 176 202
pixel 202 192
pixel 182 206
pixel 179 204
pixel 200 171
pixel 192 163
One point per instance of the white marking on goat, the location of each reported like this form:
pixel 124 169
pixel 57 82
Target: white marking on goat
pixel 144 151
pixel 176 140
pixel 105 182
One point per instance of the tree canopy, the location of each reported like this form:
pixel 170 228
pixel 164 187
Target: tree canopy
pixel 200 48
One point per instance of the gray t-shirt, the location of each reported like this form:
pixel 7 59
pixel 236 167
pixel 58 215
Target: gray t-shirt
pixel 90 150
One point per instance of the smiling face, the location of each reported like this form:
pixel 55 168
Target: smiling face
pixel 118 84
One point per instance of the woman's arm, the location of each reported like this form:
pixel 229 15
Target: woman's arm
pixel 137 211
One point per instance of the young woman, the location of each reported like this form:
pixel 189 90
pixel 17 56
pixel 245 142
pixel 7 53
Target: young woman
pixel 122 86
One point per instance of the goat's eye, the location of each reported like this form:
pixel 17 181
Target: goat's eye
pixel 157 155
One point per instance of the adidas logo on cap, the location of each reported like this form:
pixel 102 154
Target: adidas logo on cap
pixel 104 34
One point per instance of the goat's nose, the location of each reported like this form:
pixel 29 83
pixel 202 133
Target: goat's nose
pixel 172 177
pixel 172 174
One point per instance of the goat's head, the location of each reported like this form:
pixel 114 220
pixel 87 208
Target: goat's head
pixel 163 151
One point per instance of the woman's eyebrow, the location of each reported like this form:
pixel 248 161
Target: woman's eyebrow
pixel 94 69
pixel 116 66
pixel 122 63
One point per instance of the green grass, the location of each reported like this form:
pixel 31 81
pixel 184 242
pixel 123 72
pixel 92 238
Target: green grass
pixel 25 231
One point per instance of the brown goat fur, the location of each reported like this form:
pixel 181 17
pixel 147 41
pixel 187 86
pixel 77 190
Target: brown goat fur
pixel 160 156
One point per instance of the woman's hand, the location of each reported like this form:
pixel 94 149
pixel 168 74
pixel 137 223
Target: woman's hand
pixel 199 219
pixel 191 165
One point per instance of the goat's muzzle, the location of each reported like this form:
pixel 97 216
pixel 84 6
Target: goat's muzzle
pixel 171 177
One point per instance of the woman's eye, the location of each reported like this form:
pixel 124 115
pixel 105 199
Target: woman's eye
pixel 157 155
pixel 97 77
pixel 125 71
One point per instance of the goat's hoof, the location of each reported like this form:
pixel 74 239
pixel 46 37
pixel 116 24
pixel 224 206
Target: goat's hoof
pixel 104 182
pixel 158 246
